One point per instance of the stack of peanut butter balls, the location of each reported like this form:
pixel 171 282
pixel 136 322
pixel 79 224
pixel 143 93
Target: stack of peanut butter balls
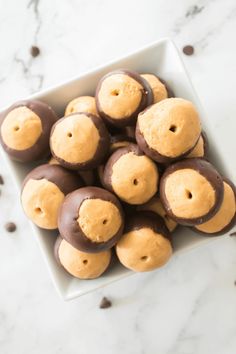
pixel 118 173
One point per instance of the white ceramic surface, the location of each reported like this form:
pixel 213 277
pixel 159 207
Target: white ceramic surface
pixel 162 59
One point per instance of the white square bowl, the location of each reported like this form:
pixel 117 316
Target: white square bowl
pixel 161 58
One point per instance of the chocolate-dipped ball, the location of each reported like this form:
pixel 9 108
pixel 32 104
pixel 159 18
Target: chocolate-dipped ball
pixel 88 177
pixel 80 264
pixel 79 141
pixel 156 206
pixel 225 218
pixel 43 192
pixel 168 130
pixel 82 104
pixel 117 142
pixel 159 88
pixel 25 130
pixel 201 148
pixel 191 191
pixel 91 219
pixel 145 244
pixel 121 95
pixel 131 175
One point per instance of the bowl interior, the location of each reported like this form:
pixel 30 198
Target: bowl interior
pixel 162 59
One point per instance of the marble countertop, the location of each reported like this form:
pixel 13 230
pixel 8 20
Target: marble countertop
pixel 189 307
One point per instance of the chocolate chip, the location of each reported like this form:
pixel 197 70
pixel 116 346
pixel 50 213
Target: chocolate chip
pixel 1 180
pixel 235 282
pixel 188 50
pixel 105 303
pixel 232 234
pixel 10 226
pixel 34 51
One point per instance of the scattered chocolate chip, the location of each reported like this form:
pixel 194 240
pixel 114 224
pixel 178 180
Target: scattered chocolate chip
pixel 10 226
pixel 1 180
pixel 34 51
pixel 232 234
pixel 105 303
pixel 188 50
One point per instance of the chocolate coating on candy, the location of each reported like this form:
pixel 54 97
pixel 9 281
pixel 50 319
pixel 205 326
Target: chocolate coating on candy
pixel 43 192
pixel 225 219
pixel 121 95
pixel 65 180
pixel 91 219
pixel 155 205
pixel 80 264
pixel 145 244
pixel 201 148
pixel 130 132
pixel 191 191
pixel 100 173
pixel 131 175
pixel 141 219
pixel 159 87
pixel 168 130
pixel 87 176
pixel 85 104
pixel 25 130
pixel 205 142
pixel 79 141
pixel 120 141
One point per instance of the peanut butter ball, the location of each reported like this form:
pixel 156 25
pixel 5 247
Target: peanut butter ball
pixel 145 244
pixel 225 218
pixel 79 141
pixel 84 104
pixel 191 191
pixel 25 130
pixel 159 88
pixel 121 95
pixel 91 219
pixel 80 264
pixel 155 205
pixel 117 142
pixel 131 175
pixel 168 130
pixel 43 192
